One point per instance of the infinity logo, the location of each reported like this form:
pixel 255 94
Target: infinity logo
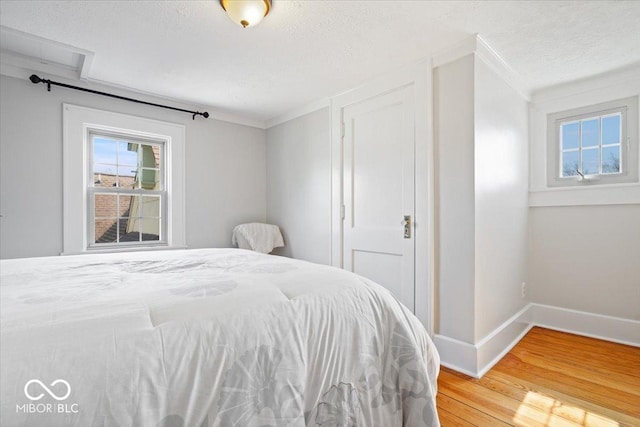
pixel 52 394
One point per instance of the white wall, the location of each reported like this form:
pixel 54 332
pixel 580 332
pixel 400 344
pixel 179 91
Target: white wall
pixel 481 135
pixel 225 168
pixel 584 242
pixel 481 182
pixel 454 202
pixel 587 258
pixel 501 199
pixel 299 185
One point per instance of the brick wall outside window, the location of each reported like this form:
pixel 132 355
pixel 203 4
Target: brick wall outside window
pixel 106 206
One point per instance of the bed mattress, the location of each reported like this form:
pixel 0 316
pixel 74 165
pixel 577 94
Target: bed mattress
pixel 204 338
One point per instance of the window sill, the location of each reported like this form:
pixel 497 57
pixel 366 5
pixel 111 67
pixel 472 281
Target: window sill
pixel 613 194
pixel 124 249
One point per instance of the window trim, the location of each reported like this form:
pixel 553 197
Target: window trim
pixel 628 108
pixel 78 123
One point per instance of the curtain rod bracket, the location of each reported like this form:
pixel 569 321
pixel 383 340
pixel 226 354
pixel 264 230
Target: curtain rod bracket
pixel 36 79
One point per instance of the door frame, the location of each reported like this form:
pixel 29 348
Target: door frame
pixel 419 75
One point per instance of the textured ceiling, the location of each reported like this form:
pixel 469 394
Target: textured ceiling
pixel 307 50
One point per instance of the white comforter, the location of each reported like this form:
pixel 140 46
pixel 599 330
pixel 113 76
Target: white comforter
pixel 202 338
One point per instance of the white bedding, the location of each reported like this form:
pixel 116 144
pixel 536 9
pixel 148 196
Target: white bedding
pixel 208 337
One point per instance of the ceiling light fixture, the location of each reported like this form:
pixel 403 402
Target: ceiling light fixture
pixel 246 13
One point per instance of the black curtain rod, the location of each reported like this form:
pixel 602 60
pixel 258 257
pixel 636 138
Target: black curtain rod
pixel 35 80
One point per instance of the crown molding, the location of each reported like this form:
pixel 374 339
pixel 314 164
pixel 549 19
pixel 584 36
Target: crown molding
pixel 502 68
pixel 624 75
pixel 70 77
pixel 454 52
pixel 298 112
pixel 21 66
pixel 476 45
pixel 213 112
pixel 402 73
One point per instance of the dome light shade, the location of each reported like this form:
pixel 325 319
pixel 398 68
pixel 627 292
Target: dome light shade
pixel 246 13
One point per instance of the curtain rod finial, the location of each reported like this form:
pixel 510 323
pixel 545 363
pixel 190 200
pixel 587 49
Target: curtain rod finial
pixel 35 79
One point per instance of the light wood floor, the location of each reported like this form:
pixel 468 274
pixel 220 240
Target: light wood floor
pixel 548 379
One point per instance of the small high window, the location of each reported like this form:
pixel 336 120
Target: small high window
pixel 591 146
pixel 594 145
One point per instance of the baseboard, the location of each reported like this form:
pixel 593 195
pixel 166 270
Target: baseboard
pixel 476 359
pixel 608 328
pixel 457 355
pixel 494 346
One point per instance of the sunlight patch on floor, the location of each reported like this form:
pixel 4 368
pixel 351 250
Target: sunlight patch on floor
pixel 543 410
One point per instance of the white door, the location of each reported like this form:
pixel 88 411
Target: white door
pixel 378 192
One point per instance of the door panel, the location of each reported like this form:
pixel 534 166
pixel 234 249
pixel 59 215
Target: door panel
pixel 375 162
pixel 385 267
pixel 378 191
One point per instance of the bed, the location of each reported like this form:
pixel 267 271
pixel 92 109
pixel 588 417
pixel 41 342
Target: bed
pixel 204 338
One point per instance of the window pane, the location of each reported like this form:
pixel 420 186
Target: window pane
pixel 150 229
pixel 591 161
pixel 105 206
pixel 150 156
pixel 570 135
pixel 129 171
pixel 104 150
pixel 127 177
pixel 570 163
pixel 128 205
pixel 611 159
pixel 105 230
pixel 590 133
pixel 127 231
pixel 150 206
pixel 104 168
pixel 130 229
pixel 150 179
pixel 610 130
pixel 104 175
pixel 127 153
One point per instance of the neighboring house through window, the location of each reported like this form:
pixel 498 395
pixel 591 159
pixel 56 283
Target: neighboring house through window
pixel 594 145
pixel 123 182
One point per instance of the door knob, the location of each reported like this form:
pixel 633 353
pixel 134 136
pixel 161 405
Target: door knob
pixel 407 226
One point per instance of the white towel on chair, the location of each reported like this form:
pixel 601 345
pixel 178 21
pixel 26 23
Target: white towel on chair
pixel 257 237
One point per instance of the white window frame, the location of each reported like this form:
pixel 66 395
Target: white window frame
pixel 618 112
pixel 93 190
pixel 628 110
pixel 78 123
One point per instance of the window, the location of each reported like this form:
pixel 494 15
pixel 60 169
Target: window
pixel 126 191
pixel 123 182
pixel 594 145
pixel 591 146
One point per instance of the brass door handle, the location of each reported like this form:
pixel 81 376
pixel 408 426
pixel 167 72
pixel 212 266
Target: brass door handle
pixel 407 226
